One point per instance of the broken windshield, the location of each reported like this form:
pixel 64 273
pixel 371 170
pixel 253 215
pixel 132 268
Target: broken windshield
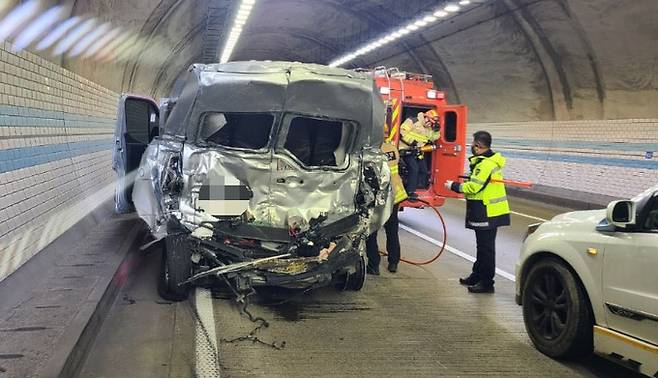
pixel 318 142
pixel 237 130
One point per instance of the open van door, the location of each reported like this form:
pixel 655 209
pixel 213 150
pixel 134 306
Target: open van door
pixel 137 124
pixel 448 159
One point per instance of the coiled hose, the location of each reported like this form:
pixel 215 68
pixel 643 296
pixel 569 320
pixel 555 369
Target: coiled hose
pixel 443 246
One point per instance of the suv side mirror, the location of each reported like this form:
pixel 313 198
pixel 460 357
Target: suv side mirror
pixel 621 213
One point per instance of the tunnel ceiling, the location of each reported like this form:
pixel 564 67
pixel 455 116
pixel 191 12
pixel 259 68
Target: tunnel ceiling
pixel 508 60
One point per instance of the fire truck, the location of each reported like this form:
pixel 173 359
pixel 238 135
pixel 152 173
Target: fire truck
pixel 406 94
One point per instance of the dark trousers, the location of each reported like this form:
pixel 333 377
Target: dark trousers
pixel 485 264
pixel 392 242
pixel 416 172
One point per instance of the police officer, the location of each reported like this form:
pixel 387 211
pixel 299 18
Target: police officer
pixel 391 227
pixel 486 209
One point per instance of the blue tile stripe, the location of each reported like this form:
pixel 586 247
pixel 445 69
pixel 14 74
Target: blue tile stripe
pixel 584 145
pixel 24 117
pixel 587 159
pixel 18 158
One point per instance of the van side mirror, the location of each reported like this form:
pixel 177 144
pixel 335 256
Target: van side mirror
pixel 621 213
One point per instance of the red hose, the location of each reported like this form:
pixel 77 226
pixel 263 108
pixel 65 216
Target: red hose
pixel 443 246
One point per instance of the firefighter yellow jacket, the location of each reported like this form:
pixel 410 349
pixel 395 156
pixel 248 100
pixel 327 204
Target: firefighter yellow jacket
pixel 399 194
pixel 411 132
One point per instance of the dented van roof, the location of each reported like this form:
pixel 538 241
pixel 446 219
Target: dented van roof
pixel 290 87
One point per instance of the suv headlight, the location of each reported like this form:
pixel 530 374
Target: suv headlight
pixel 531 230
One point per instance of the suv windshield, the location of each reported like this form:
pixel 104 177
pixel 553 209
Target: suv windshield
pixel 645 195
pixel 237 130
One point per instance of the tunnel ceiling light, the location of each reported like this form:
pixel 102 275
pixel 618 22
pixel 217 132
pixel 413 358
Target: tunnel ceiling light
pixel 414 25
pixel 241 17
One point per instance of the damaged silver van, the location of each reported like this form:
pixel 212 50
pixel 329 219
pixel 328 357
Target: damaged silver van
pixel 256 174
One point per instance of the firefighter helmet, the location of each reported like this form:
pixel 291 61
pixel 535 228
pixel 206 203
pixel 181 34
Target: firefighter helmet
pixel 432 116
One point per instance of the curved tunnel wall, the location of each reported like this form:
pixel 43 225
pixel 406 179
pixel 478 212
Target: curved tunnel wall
pixel 509 60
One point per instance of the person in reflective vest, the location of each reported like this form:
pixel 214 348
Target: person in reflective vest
pixel 486 209
pixel 392 226
pixel 415 133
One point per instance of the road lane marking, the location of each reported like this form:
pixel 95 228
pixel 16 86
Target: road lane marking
pixel 454 251
pixel 205 337
pixel 529 216
pixel 519 214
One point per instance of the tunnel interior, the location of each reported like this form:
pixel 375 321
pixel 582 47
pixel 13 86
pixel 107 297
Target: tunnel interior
pixel 567 88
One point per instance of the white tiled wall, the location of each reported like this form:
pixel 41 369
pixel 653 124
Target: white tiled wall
pixel 600 159
pixel 55 152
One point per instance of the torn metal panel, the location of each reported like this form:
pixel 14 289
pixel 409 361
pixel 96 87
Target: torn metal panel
pixel 289 205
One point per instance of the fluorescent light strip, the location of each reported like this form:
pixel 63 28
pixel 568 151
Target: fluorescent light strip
pixel 413 26
pixel 240 20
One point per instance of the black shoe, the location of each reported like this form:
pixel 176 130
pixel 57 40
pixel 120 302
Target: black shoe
pixel 413 196
pixel 469 281
pixel 480 288
pixel 372 270
pixel 393 267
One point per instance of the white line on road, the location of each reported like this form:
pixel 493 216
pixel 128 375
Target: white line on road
pixel 529 216
pixel 205 338
pixel 454 251
pixel 520 214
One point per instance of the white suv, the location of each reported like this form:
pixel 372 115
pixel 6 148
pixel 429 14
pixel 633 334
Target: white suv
pixel 588 280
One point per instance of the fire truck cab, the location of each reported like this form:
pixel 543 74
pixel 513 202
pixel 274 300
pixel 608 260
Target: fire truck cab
pixel 406 94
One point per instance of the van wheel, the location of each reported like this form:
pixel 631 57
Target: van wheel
pixel 556 311
pixel 175 268
pixel 356 280
pixel 351 281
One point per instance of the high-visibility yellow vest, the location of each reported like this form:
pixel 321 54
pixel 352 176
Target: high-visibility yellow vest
pixel 399 194
pixel 491 194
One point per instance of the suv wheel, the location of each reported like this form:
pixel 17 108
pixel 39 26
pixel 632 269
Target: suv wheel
pixel 556 311
pixel 176 268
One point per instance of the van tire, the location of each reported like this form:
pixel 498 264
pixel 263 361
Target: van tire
pixel 356 280
pixel 175 268
pixel 352 281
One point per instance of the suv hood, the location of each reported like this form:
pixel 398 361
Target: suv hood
pixel 588 216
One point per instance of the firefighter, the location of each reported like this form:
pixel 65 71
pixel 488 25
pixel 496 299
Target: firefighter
pixel 486 209
pixel 391 227
pixel 415 133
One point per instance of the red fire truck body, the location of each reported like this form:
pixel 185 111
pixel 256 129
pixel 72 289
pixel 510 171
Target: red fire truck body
pixel 407 94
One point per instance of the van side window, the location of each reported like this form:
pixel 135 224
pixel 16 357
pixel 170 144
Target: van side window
pixel 318 142
pixel 238 130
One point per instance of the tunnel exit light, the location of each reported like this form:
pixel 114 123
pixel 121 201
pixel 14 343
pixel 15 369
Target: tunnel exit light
pixel 238 23
pixel 415 25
